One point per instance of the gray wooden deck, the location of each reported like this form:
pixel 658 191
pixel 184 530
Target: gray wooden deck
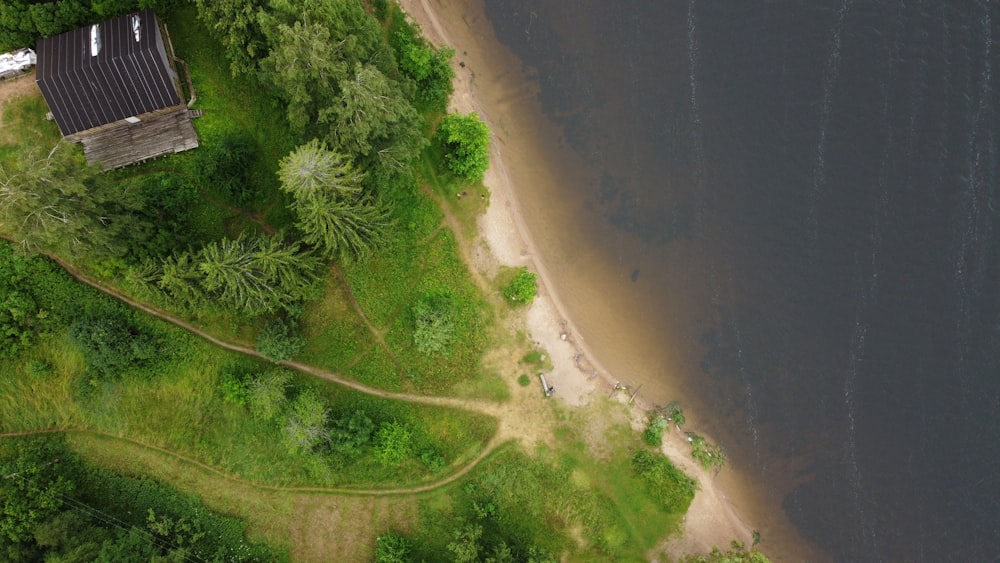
pixel 118 144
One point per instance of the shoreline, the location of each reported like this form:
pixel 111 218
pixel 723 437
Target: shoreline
pixel 713 518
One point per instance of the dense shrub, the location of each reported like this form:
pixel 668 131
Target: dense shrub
pixel 306 425
pixel 266 394
pixel 350 434
pixel 523 288
pixel 392 444
pixel 225 165
pixel 113 343
pixel 434 327
pixel 428 68
pixel 667 485
pixel 653 434
pixel 167 203
pixel 280 339
pixel 391 548
pixel 467 141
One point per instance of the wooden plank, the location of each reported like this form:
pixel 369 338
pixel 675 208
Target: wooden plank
pixel 158 133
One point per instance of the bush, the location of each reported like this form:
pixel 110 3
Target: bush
pixel 428 68
pixel 674 414
pixel 432 460
pixel 306 426
pixel 234 389
pixel 34 295
pixel 467 141
pixel 392 444
pixel 523 288
pixel 524 380
pixel 266 394
pixel 434 328
pixel 653 435
pixel 350 434
pixel 112 342
pixel 669 487
pixel 709 455
pixel 225 167
pixel 38 368
pixel 280 340
pixel 391 548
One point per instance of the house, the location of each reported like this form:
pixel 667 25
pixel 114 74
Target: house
pixel 113 87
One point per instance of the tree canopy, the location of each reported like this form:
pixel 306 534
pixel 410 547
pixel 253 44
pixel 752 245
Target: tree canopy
pixel 334 213
pixel 467 140
pixel 54 203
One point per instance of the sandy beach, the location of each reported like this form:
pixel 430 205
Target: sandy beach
pixel 489 82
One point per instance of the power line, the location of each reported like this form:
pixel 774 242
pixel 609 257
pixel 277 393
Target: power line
pixel 111 520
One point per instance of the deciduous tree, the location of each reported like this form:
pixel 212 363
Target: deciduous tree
pixel 32 488
pixel 306 425
pixel 467 140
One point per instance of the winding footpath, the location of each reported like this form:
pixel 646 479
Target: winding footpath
pixel 493 409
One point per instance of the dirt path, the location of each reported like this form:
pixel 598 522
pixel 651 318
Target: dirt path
pixel 525 419
pixel 461 472
pixel 483 407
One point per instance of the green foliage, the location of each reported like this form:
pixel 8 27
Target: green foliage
pixel 177 532
pixel 167 201
pixel 667 485
pixel 24 283
pixel 709 455
pixel 58 206
pixel 523 380
pixel 33 486
pixel 523 288
pixel 653 434
pixel 249 275
pixel 258 274
pixel 428 68
pixel 467 140
pixel 433 460
pixel 113 343
pixel 350 434
pixel 391 548
pixel 373 122
pixel 334 214
pixel 674 414
pixel 305 67
pixel 393 444
pixel 266 394
pixel 737 553
pixel 226 165
pixel 280 339
pixel 465 545
pixel 306 425
pixel 234 389
pixel 434 327
pixel 235 24
pixel 23 22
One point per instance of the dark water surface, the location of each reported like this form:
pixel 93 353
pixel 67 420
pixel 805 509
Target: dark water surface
pixel 832 168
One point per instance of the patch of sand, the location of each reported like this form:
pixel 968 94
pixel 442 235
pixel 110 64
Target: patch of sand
pixel 578 376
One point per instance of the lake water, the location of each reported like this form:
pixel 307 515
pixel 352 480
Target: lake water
pixel 794 205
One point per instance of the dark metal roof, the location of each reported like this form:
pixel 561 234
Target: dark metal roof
pixel 128 76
